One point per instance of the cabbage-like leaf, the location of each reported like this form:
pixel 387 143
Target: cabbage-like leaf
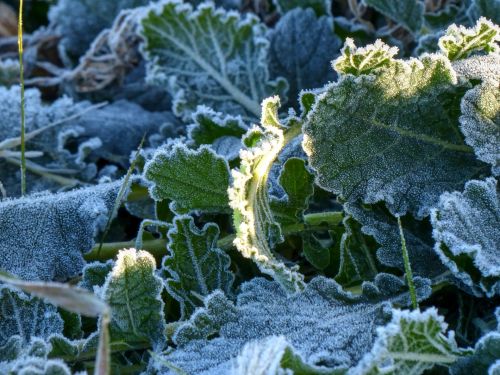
pixel 31 359
pixel 480 122
pixel 25 316
pixel 304 319
pixel 133 293
pixel 44 237
pixel 387 136
pixel 193 179
pixel 208 56
pixel 298 184
pixel 195 266
pixel 320 7
pixel 257 231
pixel 411 343
pixel 466 229
pixel 460 42
pixel 377 222
pixel 90 16
pixel 486 8
pixel 218 332
pixel 302 47
pixel 215 129
pixel 364 60
pixel 94 275
pixel 408 13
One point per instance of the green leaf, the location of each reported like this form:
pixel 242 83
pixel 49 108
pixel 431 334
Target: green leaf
pixel 208 56
pixel 132 291
pixel 411 343
pixel 364 60
pixel 193 179
pixel 460 42
pixel 298 184
pixel 257 231
pixel 9 72
pixel 408 13
pixel 26 316
pixel 388 135
pixel 315 252
pixel 480 122
pixel 486 8
pixel 195 266
pixel 466 229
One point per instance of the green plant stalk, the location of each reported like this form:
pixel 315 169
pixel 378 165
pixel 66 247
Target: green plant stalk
pixel 158 247
pixel 407 265
pixel 21 80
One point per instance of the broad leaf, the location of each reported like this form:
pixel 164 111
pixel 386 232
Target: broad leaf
pixel 479 67
pixel 195 266
pixel 257 231
pixel 480 122
pixel 297 182
pixel 387 135
pixel 408 13
pixel 208 56
pixel 411 343
pixel 44 237
pixel 26 316
pixel 302 47
pixel 460 42
pixel 133 292
pixel 486 8
pixel 377 222
pixel 193 179
pixel 466 229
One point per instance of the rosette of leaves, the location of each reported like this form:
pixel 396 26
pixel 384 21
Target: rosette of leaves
pixel 208 56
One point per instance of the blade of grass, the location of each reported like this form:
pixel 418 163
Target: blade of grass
pixel 21 80
pixel 407 265
pixel 119 197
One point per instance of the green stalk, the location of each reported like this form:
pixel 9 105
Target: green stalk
pixel 407 265
pixel 21 79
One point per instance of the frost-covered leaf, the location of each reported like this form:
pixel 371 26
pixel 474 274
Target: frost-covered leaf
pixel 213 128
pixel 89 18
pixel 32 360
pixel 466 229
pixel 193 179
pixel 392 136
pixel 44 237
pixel 195 266
pixel 411 343
pixel 480 122
pixel 94 275
pixel 320 7
pixel 133 292
pixel 489 9
pixel 364 60
pixel 26 316
pixel 273 355
pixel 305 319
pixel 301 49
pixel 377 222
pixel 257 231
pixel 408 13
pixel 460 42
pixel 298 184
pixel 480 67
pixel 208 56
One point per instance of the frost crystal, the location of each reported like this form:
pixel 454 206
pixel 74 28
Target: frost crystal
pixel 466 229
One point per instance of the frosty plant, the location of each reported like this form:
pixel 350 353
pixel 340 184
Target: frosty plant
pixel 251 187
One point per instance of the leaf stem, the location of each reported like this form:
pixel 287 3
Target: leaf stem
pixel 21 79
pixel 407 265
